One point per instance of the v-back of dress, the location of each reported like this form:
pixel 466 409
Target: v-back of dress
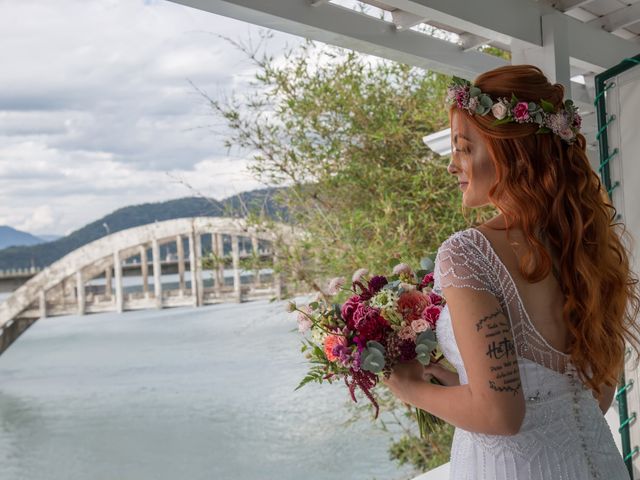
pixel 564 434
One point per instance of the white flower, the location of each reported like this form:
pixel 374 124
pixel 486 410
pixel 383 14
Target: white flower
pixel 358 274
pixel 334 285
pixel 499 110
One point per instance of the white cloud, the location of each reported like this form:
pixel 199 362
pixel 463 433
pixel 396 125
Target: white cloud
pixel 96 107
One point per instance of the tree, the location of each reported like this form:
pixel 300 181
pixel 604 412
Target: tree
pixel 343 132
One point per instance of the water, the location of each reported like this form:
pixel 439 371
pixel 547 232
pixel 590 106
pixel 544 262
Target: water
pixel 174 394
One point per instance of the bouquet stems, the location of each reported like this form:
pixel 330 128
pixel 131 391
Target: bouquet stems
pixel 427 421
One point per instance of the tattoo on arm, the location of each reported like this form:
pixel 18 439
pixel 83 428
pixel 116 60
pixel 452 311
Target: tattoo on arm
pixel 500 347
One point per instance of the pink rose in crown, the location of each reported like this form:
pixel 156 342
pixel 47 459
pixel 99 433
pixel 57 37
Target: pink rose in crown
pixel 521 112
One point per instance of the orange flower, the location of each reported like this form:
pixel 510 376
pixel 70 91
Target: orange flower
pixel 330 342
pixel 411 304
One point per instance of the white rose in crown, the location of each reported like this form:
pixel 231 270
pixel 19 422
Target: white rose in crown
pixel 499 110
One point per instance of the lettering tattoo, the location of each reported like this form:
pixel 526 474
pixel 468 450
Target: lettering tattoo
pixel 488 317
pixel 500 349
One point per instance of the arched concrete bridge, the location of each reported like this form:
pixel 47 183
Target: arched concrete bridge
pixel 62 288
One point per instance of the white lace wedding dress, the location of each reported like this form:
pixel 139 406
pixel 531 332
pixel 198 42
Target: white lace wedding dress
pixel 564 435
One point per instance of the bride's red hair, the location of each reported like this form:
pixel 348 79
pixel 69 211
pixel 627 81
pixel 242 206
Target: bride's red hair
pixel 547 188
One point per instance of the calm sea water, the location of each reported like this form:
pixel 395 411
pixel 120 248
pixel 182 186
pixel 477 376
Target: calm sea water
pixel 182 393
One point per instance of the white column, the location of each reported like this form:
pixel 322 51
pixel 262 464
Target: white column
pixel 220 268
pixel 254 247
pixel 553 56
pixel 157 273
pixel 80 293
pixel 108 281
pixel 235 255
pixel 198 270
pixel 278 284
pixel 144 270
pixel 180 248
pixel 42 296
pixel 117 269
pixel 192 273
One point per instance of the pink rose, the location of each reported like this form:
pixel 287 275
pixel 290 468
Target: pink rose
pixel 521 112
pixel 407 333
pixel 419 325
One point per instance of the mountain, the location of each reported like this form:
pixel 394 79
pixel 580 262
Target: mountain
pixel 49 238
pixel 44 254
pixel 10 236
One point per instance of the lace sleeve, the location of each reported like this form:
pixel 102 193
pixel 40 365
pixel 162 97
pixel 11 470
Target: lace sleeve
pixel 460 263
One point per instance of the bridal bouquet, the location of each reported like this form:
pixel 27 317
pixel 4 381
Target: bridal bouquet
pixel 386 320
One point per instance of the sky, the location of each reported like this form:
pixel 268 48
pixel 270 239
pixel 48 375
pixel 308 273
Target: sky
pixel 97 111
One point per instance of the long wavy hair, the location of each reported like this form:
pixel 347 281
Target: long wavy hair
pixel 548 189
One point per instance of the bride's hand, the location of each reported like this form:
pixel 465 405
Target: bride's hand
pixel 402 376
pixel 442 374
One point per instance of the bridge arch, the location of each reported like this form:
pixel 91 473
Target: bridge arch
pixel 48 292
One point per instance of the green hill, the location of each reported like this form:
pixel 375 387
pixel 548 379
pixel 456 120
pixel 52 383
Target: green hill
pixel 44 254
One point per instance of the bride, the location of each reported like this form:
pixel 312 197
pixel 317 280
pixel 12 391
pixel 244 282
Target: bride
pixel 540 299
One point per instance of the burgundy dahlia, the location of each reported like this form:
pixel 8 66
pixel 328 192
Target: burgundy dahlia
pixel 370 324
pixel 376 283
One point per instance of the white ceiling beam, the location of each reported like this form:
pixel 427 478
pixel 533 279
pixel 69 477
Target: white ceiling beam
pixel 618 19
pixel 566 5
pixel 505 20
pixel 404 21
pixel 469 41
pixel 347 28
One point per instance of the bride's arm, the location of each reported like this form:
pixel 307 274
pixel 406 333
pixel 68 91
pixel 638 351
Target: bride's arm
pixel 492 402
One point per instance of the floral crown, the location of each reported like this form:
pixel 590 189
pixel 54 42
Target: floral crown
pixel 565 122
